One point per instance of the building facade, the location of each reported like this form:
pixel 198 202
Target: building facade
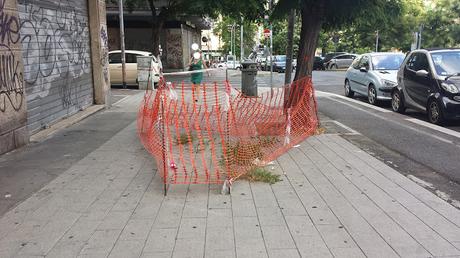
pixel 53 63
pixel 176 37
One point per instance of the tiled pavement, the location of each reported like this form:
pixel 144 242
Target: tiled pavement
pixel 334 201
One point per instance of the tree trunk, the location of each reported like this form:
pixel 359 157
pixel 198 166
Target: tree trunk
pixel 156 30
pixel 312 16
pixel 290 37
pixel 157 25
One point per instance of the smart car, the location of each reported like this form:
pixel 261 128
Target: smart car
pixel 429 80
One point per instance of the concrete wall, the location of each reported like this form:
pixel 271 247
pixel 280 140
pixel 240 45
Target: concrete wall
pixel 46 64
pixel 175 42
pixel 13 112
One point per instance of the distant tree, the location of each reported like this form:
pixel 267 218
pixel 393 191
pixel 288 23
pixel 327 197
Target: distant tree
pixel 318 14
pixel 162 11
pixel 441 24
pixel 222 30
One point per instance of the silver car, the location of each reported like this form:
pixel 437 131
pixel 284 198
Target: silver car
pixel 340 61
pixel 373 75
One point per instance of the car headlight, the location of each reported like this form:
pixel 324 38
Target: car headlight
pixel 449 87
pixel 387 83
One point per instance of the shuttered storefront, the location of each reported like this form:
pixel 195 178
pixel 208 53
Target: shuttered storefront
pixel 55 42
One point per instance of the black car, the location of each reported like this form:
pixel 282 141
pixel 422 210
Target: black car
pixel 318 64
pixel 429 80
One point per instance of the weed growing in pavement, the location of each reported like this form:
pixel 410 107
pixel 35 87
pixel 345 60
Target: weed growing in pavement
pixel 259 174
pixel 184 139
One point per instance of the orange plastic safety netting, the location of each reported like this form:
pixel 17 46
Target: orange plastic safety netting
pixel 214 133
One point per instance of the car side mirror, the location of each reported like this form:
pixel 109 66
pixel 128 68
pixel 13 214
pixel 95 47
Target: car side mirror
pixel 422 73
pixel 363 69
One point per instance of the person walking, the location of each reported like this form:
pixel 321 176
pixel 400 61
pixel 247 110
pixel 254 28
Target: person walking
pixel 197 64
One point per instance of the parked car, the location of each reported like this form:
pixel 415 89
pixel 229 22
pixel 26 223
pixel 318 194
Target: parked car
pixel 340 61
pixel 279 63
pixel 115 67
pixel 232 63
pixel 318 63
pixel 329 56
pixel 429 80
pixel 373 75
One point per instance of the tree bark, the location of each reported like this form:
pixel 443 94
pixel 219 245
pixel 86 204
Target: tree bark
pixel 157 25
pixel 290 37
pixel 312 16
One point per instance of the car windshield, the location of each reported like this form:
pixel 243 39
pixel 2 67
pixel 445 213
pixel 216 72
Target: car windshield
pixel 446 63
pixel 281 58
pixel 387 62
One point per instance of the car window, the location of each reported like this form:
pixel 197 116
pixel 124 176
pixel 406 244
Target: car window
pixel 411 62
pixel 341 57
pixel 115 58
pixel 131 58
pixel 387 62
pixel 446 63
pixel 364 62
pixel 355 63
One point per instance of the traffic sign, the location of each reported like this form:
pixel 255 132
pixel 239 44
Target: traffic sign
pixel 267 33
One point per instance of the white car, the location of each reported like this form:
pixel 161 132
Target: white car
pixel 373 75
pixel 115 66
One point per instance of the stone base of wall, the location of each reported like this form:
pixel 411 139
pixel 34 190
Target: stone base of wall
pixel 14 139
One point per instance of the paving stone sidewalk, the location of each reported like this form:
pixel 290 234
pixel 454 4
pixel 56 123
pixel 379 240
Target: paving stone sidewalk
pixel 334 201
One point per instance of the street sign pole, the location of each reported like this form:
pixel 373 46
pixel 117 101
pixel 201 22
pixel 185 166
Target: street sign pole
pixel 122 43
pixel 241 39
pixel 377 41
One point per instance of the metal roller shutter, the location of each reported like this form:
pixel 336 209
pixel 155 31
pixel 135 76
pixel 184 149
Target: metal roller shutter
pixel 56 55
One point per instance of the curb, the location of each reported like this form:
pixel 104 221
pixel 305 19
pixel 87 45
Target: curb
pixel 66 122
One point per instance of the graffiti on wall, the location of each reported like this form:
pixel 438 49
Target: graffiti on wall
pixel 11 81
pixel 105 54
pixel 55 49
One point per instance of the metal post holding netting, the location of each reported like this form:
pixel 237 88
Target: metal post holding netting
pixel 214 134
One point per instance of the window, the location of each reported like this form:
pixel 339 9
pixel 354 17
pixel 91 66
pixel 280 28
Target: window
pixel 355 63
pixel 341 57
pixel 446 63
pixel 131 58
pixel 418 61
pixel 364 62
pixel 115 58
pixel 387 62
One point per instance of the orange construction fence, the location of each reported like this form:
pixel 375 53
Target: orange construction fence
pixel 213 133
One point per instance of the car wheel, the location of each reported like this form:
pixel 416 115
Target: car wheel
pixel 434 111
pixel 334 67
pixel 348 92
pixel 397 102
pixel 372 95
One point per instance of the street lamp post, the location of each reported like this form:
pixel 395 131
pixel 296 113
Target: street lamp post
pixel 122 43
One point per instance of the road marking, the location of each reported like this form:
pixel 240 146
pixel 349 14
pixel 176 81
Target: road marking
pixel 434 127
pixel 352 131
pixel 119 101
pixel 394 122
pixel 328 94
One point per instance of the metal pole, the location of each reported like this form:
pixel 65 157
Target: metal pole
pixel 377 41
pixel 271 52
pixel 122 43
pixel 241 39
pixel 234 45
